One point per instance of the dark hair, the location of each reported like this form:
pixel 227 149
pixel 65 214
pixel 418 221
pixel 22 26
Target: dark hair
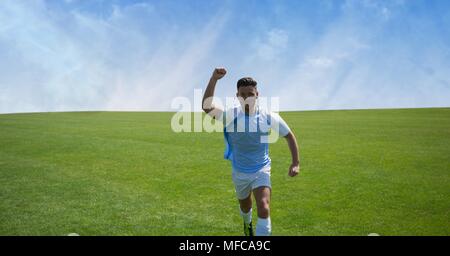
pixel 246 81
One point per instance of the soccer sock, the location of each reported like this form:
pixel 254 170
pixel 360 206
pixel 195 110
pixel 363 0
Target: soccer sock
pixel 263 227
pixel 246 216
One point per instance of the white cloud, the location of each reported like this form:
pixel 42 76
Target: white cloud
pixel 351 66
pixel 78 61
pixel 134 58
pixel 167 74
pixel 320 62
pixel 274 42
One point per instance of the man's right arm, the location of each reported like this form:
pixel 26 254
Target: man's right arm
pixel 207 102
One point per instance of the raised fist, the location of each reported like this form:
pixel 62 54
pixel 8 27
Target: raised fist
pixel 219 73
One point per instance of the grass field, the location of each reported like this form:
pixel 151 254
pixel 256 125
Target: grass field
pixel 126 173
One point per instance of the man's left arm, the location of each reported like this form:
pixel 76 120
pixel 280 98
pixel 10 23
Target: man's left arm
pixel 282 128
pixel 294 169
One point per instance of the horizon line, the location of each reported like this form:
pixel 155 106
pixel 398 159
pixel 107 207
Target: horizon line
pixel 164 111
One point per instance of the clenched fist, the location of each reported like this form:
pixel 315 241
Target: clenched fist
pixel 294 169
pixel 219 73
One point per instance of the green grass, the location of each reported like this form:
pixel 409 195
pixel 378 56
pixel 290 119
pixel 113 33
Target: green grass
pixel 126 173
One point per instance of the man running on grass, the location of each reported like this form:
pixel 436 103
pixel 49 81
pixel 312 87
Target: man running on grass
pixel 245 128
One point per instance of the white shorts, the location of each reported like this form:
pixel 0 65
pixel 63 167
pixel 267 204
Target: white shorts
pixel 244 183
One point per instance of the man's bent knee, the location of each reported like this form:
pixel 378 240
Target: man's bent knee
pixel 246 204
pixel 262 196
pixel 263 209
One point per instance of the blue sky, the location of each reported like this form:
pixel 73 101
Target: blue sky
pixel 138 55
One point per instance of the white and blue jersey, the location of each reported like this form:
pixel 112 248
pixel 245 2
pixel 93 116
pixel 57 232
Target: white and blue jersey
pixel 246 137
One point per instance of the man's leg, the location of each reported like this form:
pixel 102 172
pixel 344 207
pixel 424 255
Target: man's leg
pixel 245 206
pixel 244 195
pixel 262 197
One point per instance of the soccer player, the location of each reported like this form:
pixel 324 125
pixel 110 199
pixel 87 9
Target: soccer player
pixel 245 129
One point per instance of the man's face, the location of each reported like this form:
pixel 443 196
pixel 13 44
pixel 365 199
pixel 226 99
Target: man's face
pixel 247 96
